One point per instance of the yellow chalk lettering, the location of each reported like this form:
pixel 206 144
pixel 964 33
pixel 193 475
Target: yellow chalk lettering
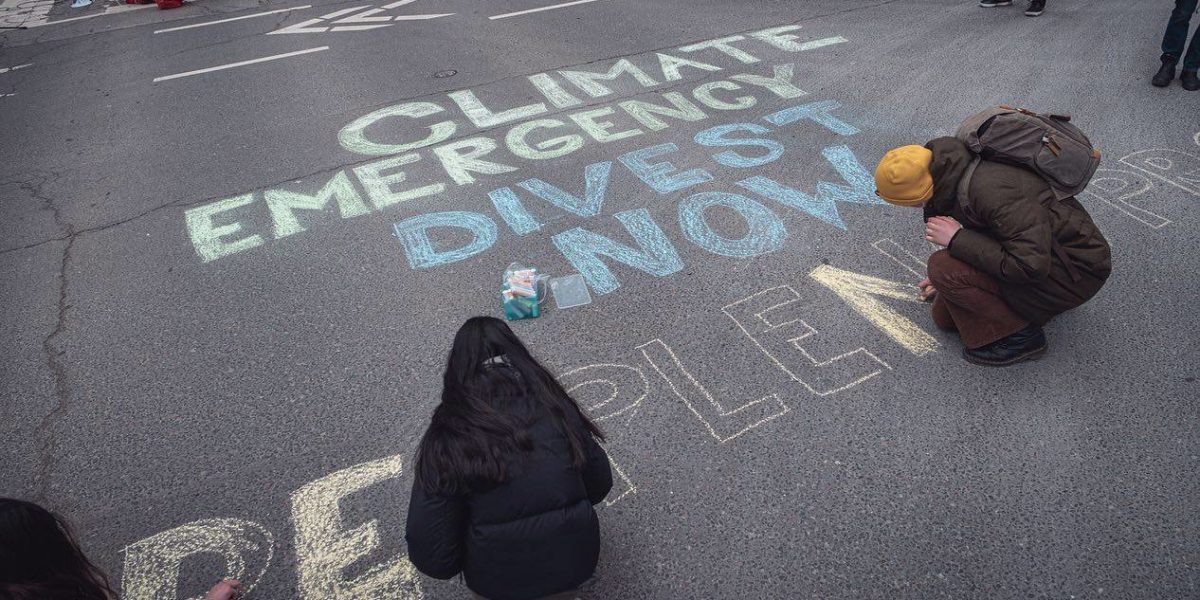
pixel 325 547
pixel 152 565
pixel 862 293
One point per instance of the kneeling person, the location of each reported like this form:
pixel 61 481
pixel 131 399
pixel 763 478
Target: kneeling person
pixel 1015 255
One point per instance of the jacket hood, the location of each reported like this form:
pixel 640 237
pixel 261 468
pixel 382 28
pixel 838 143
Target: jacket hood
pixel 951 158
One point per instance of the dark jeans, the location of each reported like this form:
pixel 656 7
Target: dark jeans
pixel 968 300
pixel 1177 34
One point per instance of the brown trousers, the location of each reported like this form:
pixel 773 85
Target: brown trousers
pixel 968 301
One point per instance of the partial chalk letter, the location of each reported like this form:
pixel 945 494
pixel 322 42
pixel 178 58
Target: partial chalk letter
pixel 423 253
pixel 773 321
pixel 1179 169
pixel 863 293
pixel 353 136
pixel 655 255
pixel 152 565
pixel 722 423
pixel 1116 187
pixel 618 388
pixel 206 235
pixel 325 546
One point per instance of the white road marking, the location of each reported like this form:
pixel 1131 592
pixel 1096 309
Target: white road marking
pixel 261 14
pixel 352 16
pixel 421 17
pixel 7 69
pixel 344 11
pixel 357 27
pixel 239 64
pixel 301 27
pixel 821 43
pixel 533 10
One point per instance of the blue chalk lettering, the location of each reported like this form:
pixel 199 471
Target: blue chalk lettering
pixel 595 186
pixel 823 206
pixel 716 137
pixel 422 252
pixel 814 111
pixel 513 211
pixel 658 175
pixel 656 255
pixel 766 231
pixel 862 183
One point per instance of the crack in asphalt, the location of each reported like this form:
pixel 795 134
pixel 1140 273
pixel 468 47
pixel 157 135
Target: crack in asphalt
pixel 62 390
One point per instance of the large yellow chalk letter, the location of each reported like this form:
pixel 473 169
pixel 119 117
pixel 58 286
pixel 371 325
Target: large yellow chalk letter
pixel 862 293
pixel 325 547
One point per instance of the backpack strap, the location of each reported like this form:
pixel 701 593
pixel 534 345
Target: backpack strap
pixel 964 184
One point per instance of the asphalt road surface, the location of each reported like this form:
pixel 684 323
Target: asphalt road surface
pixel 237 238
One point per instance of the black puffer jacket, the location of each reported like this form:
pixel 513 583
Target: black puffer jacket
pixel 532 536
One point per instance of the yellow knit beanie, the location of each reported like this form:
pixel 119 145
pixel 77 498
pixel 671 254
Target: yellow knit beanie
pixel 903 178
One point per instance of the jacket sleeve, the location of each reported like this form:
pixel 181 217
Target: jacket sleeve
pixel 597 472
pixel 1016 247
pixel 435 532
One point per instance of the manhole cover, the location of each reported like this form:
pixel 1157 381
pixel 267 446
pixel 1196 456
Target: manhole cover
pixel 445 74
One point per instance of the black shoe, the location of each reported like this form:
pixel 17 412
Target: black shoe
pixel 1025 344
pixel 1164 75
pixel 1036 8
pixel 994 3
pixel 1189 80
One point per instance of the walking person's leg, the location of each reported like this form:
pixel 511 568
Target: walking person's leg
pixel 1174 41
pixel 1191 61
pixel 1035 8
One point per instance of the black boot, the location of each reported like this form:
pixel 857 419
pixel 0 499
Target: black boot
pixel 1189 80
pixel 1164 75
pixel 1025 344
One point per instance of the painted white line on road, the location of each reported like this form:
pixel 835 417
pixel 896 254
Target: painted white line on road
pixel 4 70
pixel 821 43
pixel 261 14
pixel 398 4
pixel 344 11
pixel 358 27
pixel 239 64
pixel 421 17
pixel 533 10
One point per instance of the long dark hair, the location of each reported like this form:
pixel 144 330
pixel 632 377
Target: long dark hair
pixel 472 438
pixel 40 559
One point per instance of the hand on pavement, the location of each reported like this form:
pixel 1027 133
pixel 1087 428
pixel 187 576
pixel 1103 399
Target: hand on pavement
pixel 927 289
pixel 228 589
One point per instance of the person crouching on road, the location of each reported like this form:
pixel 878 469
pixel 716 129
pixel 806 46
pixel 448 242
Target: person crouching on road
pixel 506 475
pixel 1013 259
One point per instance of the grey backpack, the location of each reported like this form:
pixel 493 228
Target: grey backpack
pixel 1048 145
